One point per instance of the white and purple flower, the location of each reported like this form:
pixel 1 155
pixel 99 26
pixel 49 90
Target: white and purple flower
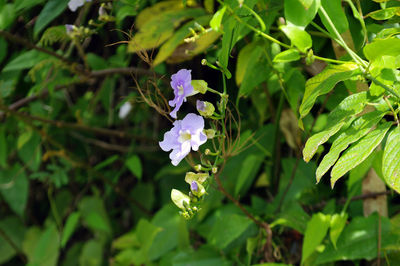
pixel 181 83
pixel 186 134
pixel 74 4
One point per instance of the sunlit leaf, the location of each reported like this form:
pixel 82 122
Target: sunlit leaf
pixel 391 162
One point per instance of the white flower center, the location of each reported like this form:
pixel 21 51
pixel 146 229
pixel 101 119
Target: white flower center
pixel 184 136
pixel 180 90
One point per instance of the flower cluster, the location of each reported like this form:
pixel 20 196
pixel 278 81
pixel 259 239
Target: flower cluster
pixel 186 135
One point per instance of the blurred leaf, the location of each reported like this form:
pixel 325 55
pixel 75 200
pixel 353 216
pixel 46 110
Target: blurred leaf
pixel 316 230
pixel 294 217
pixel 50 11
pixel 156 10
pixel 106 162
pixel 227 228
pixel 158 29
pixel 53 35
pixel 25 60
pixel 26 4
pixel 299 38
pixel 3 49
pixel 287 56
pixel 324 82
pixel 69 228
pixel 14 230
pixel 249 164
pixel 201 257
pixel 3 148
pixel 7 15
pixel 300 12
pixel 344 112
pixel 391 162
pixel 14 188
pixel 358 152
pixel 46 247
pixel 96 62
pixel 338 222
pixel 94 214
pixel 92 254
pixel 135 166
pixel 29 150
pixel 359 240
pixel 358 129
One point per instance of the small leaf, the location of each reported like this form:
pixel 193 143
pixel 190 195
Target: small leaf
pixel 381 48
pixel 249 163
pixel 215 22
pixel 338 221
pixel 134 165
pixel 299 37
pixel 357 130
pixel 391 162
pixel 316 230
pixel 349 107
pixel 359 152
pixel 15 188
pixel 69 228
pixel 324 82
pixel 25 60
pixel 287 56
pixel 300 12
pixel 384 14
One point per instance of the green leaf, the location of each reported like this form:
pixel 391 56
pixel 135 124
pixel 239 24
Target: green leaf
pixel 243 61
pixel 227 228
pixel 287 56
pixel 92 254
pixel 94 215
pixel 349 107
pixel 294 217
pixel 3 49
pixel 300 12
pixel 316 230
pixel 157 30
pixel 51 10
pixel 359 128
pixel 324 82
pixel 14 187
pixel 298 36
pixel 336 15
pixel 337 223
pixel 135 166
pixel 391 162
pixel 7 16
pixel 169 46
pixel 215 22
pixel 359 240
pixel 384 14
pixel 379 49
pixel 46 248
pixel 249 164
pixel 157 10
pixel 358 152
pixel 3 148
pixel 30 152
pixel 26 4
pixel 96 62
pixel 15 231
pixel 25 60
pixel 69 228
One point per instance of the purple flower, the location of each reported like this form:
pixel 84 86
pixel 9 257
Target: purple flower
pixel 201 106
pixel 186 134
pixel 69 28
pixel 181 83
pixel 194 186
pixel 74 4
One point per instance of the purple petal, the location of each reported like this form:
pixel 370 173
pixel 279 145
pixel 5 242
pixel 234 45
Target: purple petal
pixel 194 186
pixel 193 122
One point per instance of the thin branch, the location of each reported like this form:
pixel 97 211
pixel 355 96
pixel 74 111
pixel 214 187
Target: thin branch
pixel 122 70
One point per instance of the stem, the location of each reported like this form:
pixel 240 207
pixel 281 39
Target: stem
pixel 330 60
pixel 353 55
pixel 387 88
pixel 391 108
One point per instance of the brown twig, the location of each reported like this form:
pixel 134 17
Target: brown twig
pixel 122 70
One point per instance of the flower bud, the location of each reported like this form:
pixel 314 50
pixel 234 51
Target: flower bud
pixel 197 189
pixel 204 62
pixel 214 170
pixel 206 109
pixel 197 177
pixel 197 167
pixel 207 152
pixel 210 133
pixel 199 86
pixel 181 200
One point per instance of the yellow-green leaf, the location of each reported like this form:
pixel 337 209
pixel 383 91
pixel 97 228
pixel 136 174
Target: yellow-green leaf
pixel 391 161
pixel 287 56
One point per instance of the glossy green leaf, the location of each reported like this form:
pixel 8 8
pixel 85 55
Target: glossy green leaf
pixel 300 12
pixel 50 11
pixel 391 161
pixel 336 14
pixel 135 166
pixel 287 56
pixel 69 228
pixel 337 224
pixel 359 128
pixel 380 48
pixel 384 14
pixel 324 82
pixel 348 108
pixel 316 231
pixel 215 22
pixel 299 38
pixel 358 152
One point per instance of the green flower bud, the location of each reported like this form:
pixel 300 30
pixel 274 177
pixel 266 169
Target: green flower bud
pixel 181 200
pixel 214 170
pixel 197 167
pixel 199 86
pixel 197 189
pixel 206 109
pixel 210 133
